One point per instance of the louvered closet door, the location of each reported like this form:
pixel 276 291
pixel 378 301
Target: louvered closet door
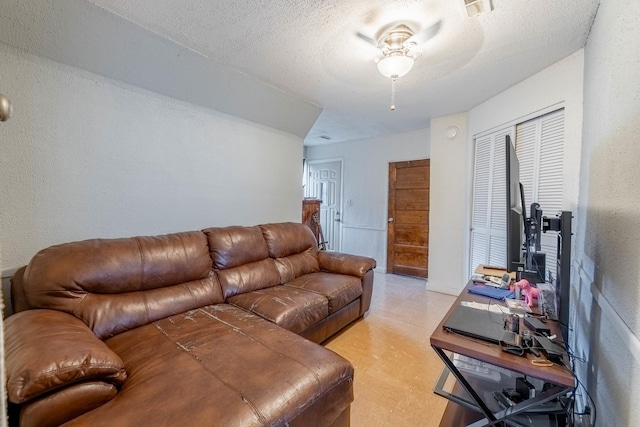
pixel 489 222
pixel 540 150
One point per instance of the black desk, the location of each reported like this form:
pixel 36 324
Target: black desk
pixel 447 345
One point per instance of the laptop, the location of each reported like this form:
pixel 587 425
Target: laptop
pixel 480 324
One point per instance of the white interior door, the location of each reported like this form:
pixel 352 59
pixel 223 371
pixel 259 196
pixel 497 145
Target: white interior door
pixel 325 183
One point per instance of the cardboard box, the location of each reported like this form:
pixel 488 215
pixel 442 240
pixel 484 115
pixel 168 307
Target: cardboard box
pixel 490 270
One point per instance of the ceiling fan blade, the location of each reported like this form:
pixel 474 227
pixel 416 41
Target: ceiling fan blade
pixel 367 39
pixel 425 34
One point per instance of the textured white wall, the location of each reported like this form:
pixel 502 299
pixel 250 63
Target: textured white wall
pixel 85 157
pixel 451 174
pixel 608 220
pixel 366 186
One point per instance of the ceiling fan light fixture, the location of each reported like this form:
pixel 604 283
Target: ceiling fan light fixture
pixel 394 66
pixel 398 46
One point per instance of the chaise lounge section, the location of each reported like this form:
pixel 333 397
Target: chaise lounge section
pixel 211 327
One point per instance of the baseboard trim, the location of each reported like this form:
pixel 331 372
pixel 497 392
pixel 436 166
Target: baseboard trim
pixel 444 289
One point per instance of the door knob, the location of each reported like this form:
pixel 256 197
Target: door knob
pixel 390 220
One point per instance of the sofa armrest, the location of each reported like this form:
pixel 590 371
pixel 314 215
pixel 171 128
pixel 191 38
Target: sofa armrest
pixel 336 262
pixel 47 349
pixel 55 409
pixel 18 299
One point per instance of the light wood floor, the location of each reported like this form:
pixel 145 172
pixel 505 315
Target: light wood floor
pixel 395 367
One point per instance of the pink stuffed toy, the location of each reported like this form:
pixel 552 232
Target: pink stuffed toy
pixel 530 293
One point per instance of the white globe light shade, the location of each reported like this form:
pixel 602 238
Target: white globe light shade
pixel 395 65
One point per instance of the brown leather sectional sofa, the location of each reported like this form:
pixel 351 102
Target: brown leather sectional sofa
pixel 206 328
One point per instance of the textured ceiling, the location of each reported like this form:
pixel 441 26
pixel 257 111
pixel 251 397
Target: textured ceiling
pixel 309 49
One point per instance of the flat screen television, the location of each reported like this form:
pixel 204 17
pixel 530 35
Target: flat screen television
pixel 515 212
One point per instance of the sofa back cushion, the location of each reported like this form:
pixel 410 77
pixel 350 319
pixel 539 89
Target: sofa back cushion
pixel 118 284
pixel 241 259
pixel 236 245
pixel 249 277
pixel 288 238
pixel 294 248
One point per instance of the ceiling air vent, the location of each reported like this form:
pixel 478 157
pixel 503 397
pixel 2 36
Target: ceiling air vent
pixel 476 7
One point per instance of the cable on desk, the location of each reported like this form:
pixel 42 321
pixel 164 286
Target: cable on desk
pixel 593 404
pixel 573 357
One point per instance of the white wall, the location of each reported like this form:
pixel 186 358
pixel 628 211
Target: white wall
pixel 366 186
pixel 450 190
pixel 85 157
pixel 606 289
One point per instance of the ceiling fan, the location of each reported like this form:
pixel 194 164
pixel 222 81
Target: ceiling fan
pixel 399 46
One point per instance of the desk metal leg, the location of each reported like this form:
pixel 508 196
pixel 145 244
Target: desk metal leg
pixel 465 384
pixel 491 419
pixel 439 389
pixel 544 397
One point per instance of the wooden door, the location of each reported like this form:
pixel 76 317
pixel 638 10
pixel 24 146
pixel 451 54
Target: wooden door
pixel 408 218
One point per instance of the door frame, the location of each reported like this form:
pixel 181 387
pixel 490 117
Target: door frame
pixel 338 247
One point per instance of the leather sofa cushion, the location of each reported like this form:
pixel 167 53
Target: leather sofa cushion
pixel 235 246
pixel 41 359
pixel 113 266
pixel 288 238
pixel 59 407
pixel 291 308
pixel 109 315
pixel 117 284
pixel 297 265
pixel 339 289
pixel 248 277
pixel 254 372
